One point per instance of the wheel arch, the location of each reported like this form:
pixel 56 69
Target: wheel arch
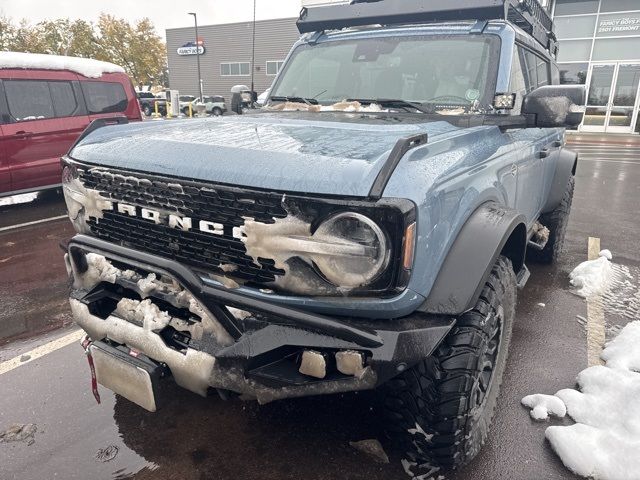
pixel 491 230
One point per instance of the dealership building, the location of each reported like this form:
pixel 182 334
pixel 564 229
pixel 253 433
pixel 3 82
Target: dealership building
pixel 599 47
pixel 225 55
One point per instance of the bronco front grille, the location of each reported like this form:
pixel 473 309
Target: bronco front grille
pixel 211 203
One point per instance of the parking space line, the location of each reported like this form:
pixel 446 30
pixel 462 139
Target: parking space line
pixel 626 162
pixel 629 158
pixel 609 153
pixel 595 315
pixel 599 149
pixel 35 222
pixel 40 351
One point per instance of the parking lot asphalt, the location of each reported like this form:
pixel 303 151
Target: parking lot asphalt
pixel 193 437
pixel 32 279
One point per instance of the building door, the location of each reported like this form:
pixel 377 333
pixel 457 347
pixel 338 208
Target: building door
pixel 613 98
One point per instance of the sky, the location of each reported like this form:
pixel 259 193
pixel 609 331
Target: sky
pixel 163 13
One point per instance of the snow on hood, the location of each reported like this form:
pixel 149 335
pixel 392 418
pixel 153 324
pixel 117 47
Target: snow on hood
pixel 343 106
pixel 84 66
pixel 604 443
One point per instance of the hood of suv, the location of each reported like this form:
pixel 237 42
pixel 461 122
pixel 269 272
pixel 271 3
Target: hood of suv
pixel 275 152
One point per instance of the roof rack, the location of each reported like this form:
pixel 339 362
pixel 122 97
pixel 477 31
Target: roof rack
pixel 526 14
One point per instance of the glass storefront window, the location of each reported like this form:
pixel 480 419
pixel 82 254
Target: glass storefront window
pixel 626 85
pixel 573 73
pixel 619 24
pixel 595 116
pixel 600 88
pixel 573 7
pixel 574 50
pixel 619 5
pixel 615 49
pixel 575 27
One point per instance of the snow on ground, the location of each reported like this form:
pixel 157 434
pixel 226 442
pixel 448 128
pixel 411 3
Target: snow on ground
pixel 613 286
pixel 16 199
pixel 543 405
pixel 604 443
pixel 592 277
pixel 84 66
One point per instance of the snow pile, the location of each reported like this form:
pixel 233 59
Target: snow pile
pixel 604 443
pixel 84 66
pixel 543 405
pixel 592 277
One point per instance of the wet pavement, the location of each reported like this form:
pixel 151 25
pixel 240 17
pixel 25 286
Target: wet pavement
pixel 197 438
pixel 33 280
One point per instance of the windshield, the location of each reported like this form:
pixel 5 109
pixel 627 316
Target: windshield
pixel 439 72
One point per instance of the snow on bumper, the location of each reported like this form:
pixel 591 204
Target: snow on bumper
pixel 138 302
pixel 137 324
pixel 191 370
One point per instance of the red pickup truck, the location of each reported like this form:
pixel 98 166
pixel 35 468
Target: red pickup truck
pixel 46 101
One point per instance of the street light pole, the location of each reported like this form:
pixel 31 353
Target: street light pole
pixel 195 19
pixel 253 51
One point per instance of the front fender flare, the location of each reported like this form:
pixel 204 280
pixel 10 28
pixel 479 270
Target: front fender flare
pixel 491 229
pixel 565 167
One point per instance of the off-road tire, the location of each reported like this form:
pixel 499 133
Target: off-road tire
pixel 216 111
pixel 436 411
pixel 556 221
pixel 147 111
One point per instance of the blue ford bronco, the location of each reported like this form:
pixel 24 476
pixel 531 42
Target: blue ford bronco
pixel 368 228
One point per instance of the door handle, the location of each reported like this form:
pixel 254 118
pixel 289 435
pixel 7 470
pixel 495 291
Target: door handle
pixel 544 153
pixel 23 134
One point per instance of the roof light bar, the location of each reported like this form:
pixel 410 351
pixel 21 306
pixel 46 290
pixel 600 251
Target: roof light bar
pixel 527 14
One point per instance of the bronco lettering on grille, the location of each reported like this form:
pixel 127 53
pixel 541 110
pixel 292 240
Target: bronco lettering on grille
pixel 174 221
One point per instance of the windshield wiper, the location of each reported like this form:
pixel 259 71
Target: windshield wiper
pixel 392 102
pixel 283 98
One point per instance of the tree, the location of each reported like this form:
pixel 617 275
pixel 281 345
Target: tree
pixel 137 48
pixel 7 33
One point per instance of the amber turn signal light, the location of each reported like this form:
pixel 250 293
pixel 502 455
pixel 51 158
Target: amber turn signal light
pixel 408 246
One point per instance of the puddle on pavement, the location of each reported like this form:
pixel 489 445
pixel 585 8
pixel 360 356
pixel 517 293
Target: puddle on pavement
pixel 301 438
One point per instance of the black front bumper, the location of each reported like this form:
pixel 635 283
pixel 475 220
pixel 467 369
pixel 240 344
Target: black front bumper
pixel 262 356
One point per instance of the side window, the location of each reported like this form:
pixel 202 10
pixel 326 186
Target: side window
pixel 28 99
pixel 104 97
pixel 544 72
pixel 528 72
pixel 64 99
pixel 538 69
pixel 531 69
pixel 517 83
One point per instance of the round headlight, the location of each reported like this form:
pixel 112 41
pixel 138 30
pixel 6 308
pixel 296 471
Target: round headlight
pixel 352 267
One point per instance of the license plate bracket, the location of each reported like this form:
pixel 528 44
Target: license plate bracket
pixel 133 378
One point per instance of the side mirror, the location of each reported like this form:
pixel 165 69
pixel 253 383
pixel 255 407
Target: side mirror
pixel 555 106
